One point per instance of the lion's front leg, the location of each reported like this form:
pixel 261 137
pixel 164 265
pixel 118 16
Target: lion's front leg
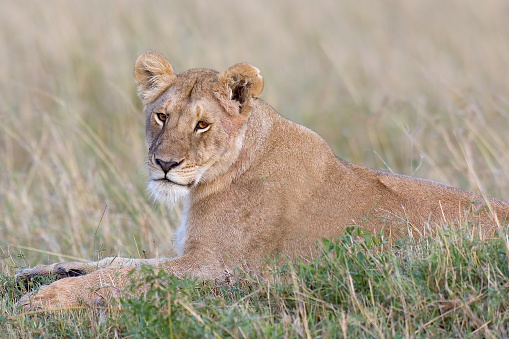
pixel 110 282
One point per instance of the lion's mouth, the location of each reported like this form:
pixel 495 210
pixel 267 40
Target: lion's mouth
pixel 166 180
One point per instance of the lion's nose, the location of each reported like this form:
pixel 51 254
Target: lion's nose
pixel 167 166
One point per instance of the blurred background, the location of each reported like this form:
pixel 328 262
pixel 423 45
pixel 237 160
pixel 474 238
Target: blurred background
pixel 414 87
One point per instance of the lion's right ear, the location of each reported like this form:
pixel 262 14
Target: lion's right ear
pixel 154 74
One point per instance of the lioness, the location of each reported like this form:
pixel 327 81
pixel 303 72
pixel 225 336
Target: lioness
pixel 253 184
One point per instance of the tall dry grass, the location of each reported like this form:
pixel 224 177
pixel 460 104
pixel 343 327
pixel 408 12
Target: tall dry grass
pixel 415 87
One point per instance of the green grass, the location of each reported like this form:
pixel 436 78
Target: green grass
pixel 414 87
pixel 449 286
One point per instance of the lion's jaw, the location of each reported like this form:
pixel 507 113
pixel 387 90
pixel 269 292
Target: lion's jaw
pixel 166 192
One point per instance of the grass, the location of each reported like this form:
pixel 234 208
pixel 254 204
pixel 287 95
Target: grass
pixel 450 286
pixel 414 87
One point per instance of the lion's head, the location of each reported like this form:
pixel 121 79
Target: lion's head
pixel 195 121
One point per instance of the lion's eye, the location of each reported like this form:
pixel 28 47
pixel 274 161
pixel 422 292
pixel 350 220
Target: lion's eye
pixel 161 118
pixel 202 125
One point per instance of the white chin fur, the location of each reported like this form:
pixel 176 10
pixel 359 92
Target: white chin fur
pixel 166 192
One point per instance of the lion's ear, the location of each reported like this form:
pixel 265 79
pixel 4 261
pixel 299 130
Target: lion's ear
pixel 242 82
pixel 154 74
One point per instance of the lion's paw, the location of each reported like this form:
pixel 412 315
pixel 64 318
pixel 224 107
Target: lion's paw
pixel 55 295
pixel 88 290
pixel 59 270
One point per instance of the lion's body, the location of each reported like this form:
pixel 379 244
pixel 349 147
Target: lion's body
pixel 255 184
pixel 292 191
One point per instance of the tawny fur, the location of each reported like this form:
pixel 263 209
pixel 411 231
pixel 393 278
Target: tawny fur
pixel 254 184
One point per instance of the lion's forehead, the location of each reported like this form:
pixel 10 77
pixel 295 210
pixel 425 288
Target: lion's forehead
pixel 188 88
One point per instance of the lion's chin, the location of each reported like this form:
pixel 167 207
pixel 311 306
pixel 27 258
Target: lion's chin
pixel 167 192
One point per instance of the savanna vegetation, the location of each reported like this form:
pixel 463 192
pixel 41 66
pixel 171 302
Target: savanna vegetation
pixel 412 87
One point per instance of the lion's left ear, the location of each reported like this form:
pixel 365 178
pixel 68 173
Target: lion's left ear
pixel 241 82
